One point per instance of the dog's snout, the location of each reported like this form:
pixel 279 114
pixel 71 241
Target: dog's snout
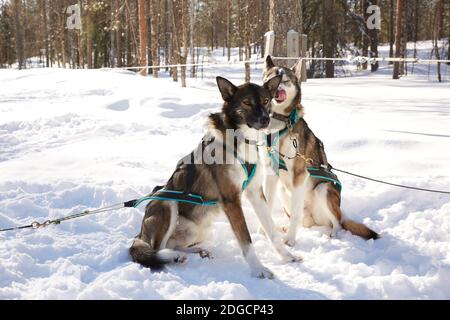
pixel 265 120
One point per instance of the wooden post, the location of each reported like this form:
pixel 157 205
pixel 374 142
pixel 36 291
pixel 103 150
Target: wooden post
pixel 293 43
pixel 296 47
pixel 269 43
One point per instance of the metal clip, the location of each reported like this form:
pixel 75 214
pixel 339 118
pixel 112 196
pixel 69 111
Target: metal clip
pixel 37 225
pixel 307 160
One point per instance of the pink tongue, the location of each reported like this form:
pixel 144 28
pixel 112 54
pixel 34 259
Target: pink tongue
pixel 281 96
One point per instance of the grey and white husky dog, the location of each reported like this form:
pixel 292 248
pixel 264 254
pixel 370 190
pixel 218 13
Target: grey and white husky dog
pixel 310 192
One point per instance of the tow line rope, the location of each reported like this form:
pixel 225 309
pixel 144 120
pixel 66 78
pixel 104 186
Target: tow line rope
pixel 38 225
pixel 290 121
pixel 135 203
pixel 390 183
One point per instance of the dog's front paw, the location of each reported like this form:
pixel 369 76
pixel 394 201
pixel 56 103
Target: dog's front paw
pixel 289 241
pixel 180 259
pixel 262 273
pixel 292 258
pixel 205 254
pixel 333 233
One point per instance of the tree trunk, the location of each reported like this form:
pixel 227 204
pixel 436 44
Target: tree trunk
pixel 112 41
pixel 142 37
pixel 329 36
pixel 239 31
pixel 365 40
pixel 175 55
pixel 229 29
pixel 89 40
pixel 300 16
pixel 247 40
pixel 185 27
pixel 191 35
pixel 398 36
pixel 403 70
pixel 373 33
pixel 62 46
pixel 118 31
pixel 44 16
pixel 391 30
pixel 154 12
pixel 437 35
pixel 18 33
pixel 448 53
pixel 164 33
pixel 416 26
pixel 81 40
pixel 128 44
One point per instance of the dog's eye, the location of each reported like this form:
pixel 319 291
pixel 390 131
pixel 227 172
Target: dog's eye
pixel 246 102
pixel 286 82
pixel 266 101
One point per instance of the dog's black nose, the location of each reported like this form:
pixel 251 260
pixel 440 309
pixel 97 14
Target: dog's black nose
pixel 265 120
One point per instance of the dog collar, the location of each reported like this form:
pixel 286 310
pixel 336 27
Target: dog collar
pixel 290 120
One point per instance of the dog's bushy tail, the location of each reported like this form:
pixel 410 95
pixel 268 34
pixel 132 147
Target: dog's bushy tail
pixel 359 229
pixel 144 254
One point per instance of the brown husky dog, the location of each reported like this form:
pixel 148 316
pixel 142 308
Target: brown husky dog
pixel 296 157
pixel 180 215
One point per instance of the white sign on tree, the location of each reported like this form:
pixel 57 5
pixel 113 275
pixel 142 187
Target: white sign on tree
pixel 74 20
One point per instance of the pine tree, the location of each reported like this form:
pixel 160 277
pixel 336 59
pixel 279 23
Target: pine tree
pixel 7 50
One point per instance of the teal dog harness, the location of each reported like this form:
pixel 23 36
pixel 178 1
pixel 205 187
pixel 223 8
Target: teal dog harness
pixel 321 172
pixel 186 196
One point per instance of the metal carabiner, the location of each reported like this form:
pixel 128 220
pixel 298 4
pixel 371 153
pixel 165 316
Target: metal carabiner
pixel 37 225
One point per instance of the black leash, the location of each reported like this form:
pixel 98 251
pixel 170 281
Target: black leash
pixel 390 183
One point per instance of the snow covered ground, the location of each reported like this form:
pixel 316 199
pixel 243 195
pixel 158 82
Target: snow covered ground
pixel 72 140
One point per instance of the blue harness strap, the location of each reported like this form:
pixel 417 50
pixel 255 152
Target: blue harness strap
pixel 325 175
pixel 177 196
pixel 249 170
pixel 186 196
pixel 275 161
pixel 272 141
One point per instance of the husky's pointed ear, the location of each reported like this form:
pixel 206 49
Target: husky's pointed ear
pixel 269 63
pixel 297 69
pixel 227 89
pixel 272 85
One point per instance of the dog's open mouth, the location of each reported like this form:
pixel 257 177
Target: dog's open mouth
pixel 281 96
